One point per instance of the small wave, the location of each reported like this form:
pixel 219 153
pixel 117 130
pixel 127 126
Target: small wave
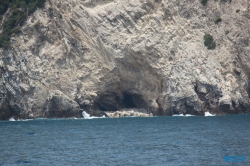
pixel 23 120
pixel 20 161
pixel 183 115
pixel 41 118
pixel 189 115
pixel 178 115
pixel 208 114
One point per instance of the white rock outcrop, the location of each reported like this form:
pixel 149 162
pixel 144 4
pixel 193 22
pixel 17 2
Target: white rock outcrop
pixel 128 113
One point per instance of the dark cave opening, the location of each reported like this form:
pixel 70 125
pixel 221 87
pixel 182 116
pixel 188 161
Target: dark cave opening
pixel 111 101
pixel 131 100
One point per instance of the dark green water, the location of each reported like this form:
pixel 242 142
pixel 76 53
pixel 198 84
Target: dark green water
pixel 127 141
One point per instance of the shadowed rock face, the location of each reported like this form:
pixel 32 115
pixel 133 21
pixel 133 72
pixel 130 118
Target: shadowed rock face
pixel 62 106
pixel 113 102
pixel 116 54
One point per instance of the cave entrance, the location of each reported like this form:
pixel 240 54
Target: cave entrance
pixel 111 101
pixel 131 100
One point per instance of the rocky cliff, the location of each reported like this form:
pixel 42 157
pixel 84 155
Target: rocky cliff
pixel 108 55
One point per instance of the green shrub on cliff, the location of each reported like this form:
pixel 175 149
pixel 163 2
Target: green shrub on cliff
pixel 19 11
pixel 15 19
pixel 4 40
pixel 4 5
pixel 209 42
pixel 203 2
pixel 217 20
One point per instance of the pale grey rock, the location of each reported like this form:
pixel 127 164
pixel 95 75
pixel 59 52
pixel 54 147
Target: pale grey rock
pixel 132 112
pixel 115 54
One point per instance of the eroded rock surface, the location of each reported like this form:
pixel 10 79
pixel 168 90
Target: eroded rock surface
pixel 115 54
pixel 129 113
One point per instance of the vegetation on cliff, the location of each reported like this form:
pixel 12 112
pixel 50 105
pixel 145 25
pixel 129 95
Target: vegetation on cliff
pixel 203 2
pixel 19 10
pixel 209 42
pixel 217 20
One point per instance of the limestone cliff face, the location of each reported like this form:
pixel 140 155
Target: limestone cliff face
pixel 109 55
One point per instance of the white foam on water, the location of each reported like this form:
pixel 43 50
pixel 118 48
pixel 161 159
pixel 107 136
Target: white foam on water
pixel 24 120
pixel 178 115
pixel 12 119
pixel 189 115
pixel 208 114
pixel 87 116
pixel 183 115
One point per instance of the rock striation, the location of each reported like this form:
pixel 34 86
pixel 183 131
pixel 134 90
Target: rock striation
pixel 107 55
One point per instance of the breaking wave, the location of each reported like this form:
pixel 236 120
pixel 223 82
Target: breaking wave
pixel 87 116
pixel 208 114
pixel 12 119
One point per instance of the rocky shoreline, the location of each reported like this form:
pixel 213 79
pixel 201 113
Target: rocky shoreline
pixel 128 113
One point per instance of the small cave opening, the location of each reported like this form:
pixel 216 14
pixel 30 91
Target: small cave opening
pixel 131 100
pixel 113 102
pixel 128 101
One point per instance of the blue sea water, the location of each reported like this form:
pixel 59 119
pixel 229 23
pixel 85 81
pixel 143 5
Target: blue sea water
pixel 126 141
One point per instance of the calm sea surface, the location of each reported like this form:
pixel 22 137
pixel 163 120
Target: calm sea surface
pixel 126 141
